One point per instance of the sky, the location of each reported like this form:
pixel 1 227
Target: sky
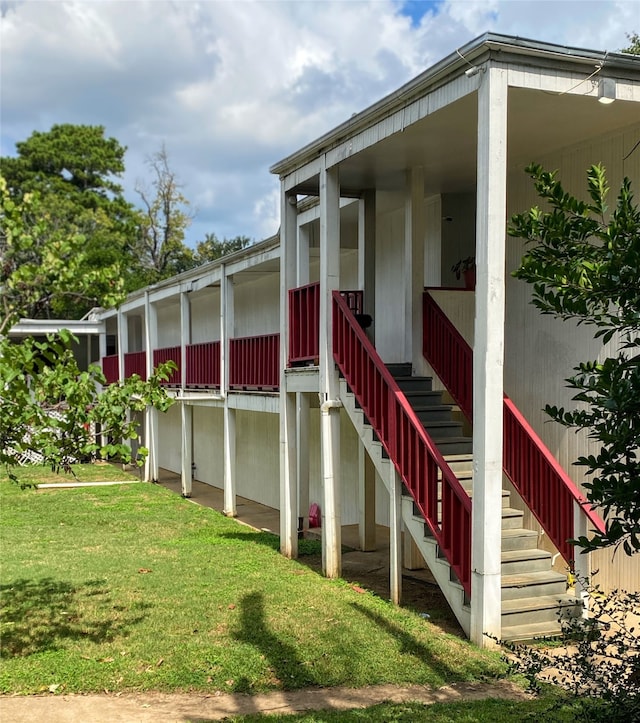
pixel 230 87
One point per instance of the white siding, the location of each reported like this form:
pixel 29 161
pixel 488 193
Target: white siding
pixel 168 325
pixel 205 315
pixel 257 306
pixel 207 445
pixel 169 439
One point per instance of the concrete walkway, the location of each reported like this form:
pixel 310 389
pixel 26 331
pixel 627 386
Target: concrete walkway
pixel 171 708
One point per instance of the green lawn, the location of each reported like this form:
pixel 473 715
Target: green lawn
pixel 131 588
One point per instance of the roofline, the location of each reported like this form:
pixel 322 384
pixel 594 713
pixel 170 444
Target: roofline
pixel 454 63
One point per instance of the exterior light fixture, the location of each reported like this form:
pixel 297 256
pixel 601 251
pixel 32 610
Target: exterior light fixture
pixel 606 90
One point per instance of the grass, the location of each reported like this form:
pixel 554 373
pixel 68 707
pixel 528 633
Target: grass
pixel 98 472
pixel 132 588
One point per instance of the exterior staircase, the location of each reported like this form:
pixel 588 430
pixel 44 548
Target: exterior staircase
pixel 534 597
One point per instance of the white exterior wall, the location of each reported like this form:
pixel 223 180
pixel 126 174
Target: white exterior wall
pixel 258 457
pixel 207 445
pixel 169 439
pixel 257 306
pixel 540 352
pixel 168 324
pixel 205 315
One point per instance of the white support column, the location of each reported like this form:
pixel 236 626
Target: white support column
pixel 229 413
pixel 367 255
pixel 302 256
pixel 433 241
pixel 414 229
pixel 288 409
pixel 303 459
pixel 366 501
pixel 151 414
pixel 329 386
pixel 123 342
pixel 395 535
pixel 582 562
pixel 488 358
pixel 186 410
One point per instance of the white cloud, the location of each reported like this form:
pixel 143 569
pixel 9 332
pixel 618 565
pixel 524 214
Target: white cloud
pixel 232 87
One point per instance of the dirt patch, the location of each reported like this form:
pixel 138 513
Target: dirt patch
pixel 169 708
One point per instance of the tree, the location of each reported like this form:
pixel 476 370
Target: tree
pixel 583 265
pixel 64 183
pixel 634 44
pixel 212 248
pixel 166 216
pixel 50 409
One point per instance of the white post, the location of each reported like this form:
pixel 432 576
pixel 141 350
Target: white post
pixel 395 535
pixel 288 455
pixel 367 255
pixel 433 241
pixel 366 500
pixel 488 358
pixel 302 400
pixel 414 265
pixel 229 413
pixel 151 414
pixel 123 341
pixel 186 410
pixel 582 562
pixel 329 385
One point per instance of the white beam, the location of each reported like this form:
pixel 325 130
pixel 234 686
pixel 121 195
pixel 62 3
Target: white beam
pixel 151 413
pixel 329 383
pixel 367 254
pixel 227 330
pixel 488 358
pixel 414 265
pixel 186 412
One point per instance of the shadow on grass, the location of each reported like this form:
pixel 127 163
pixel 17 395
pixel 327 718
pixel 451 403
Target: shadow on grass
pixel 40 615
pixel 286 668
pixel 407 643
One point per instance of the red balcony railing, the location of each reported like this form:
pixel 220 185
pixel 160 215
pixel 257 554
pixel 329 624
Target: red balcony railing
pixel 423 469
pixel 110 368
pixel 304 321
pixel 135 363
pixel 203 364
pixel 545 487
pixel 254 362
pixel 171 353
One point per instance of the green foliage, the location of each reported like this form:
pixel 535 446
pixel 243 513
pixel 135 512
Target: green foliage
pixel 50 407
pixel 634 44
pixel 583 264
pixel 71 249
pixel 599 658
pixel 211 248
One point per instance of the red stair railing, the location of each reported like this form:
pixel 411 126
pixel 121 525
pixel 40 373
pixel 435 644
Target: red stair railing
pixel 135 362
pixel 304 320
pixel 203 364
pixel 422 468
pixel 254 362
pixel 110 368
pixel 545 487
pixel 171 353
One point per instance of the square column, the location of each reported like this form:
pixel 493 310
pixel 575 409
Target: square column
pixel 186 411
pixel 227 323
pixel 367 255
pixel 151 413
pixel 329 382
pixel 414 230
pixel 288 406
pixel 488 358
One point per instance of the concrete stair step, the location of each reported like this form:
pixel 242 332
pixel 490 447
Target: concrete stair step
pixel 433 412
pixel 460 463
pixel 400 369
pixel 443 429
pixel 542 609
pixel 525 561
pixel 519 538
pixel 423 398
pixel 533 584
pixel 531 631
pixel 414 384
pixel 454 445
pixel 511 518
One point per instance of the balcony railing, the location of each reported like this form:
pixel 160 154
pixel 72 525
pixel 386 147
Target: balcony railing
pixel 171 353
pixel 110 368
pixel 203 365
pixel 135 362
pixel 304 321
pixel 254 362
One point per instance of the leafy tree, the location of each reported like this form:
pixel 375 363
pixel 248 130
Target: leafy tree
pixel 634 44
pixel 212 248
pixel 583 264
pixel 64 182
pixel 51 408
pixel 166 216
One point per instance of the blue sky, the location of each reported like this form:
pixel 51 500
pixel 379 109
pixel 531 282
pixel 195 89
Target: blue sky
pixel 231 87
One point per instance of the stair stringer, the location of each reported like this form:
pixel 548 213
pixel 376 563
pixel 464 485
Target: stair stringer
pixel 438 566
